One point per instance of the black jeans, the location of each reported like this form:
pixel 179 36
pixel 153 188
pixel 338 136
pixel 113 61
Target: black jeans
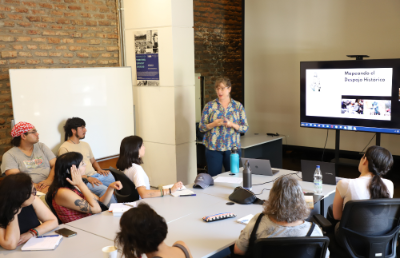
pixel 215 160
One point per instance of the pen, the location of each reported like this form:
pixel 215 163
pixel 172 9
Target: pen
pixel 183 195
pixel 48 236
pixel 129 205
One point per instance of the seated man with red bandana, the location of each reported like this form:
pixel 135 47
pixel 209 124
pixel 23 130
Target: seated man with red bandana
pixel 29 156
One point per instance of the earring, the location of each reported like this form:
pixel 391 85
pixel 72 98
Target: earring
pixel 139 155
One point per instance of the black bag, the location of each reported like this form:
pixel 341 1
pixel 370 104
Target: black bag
pixel 244 196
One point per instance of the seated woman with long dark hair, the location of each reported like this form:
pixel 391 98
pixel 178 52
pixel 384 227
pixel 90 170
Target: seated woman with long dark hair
pixel 69 196
pixel 21 212
pixel 283 216
pixel 143 231
pixel 375 163
pixel 131 153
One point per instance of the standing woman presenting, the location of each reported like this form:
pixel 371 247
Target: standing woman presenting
pixel 223 120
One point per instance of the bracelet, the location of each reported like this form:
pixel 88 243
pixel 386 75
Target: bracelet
pixel 170 191
pixel 34 232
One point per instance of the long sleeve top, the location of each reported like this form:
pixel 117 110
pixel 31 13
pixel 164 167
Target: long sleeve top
pixel 221 138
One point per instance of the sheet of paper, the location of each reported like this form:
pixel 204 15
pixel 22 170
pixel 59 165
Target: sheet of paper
pixel 245 220
pixel 171 185
pixel 182 192
pixel 45 243
pixel 38 193
pixel 309 201
pixel 231 180
pixel 122 206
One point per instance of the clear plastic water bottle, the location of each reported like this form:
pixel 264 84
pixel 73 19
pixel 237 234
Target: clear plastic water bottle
pixel 318 181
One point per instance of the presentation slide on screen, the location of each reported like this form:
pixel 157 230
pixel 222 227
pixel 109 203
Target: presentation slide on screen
pixel 349 93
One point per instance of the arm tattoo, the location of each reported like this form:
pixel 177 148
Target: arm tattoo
pixel 83 206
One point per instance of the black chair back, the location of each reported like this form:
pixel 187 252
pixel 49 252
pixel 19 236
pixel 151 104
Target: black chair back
pixel 369 228
pixel 289 247
pixel 128 193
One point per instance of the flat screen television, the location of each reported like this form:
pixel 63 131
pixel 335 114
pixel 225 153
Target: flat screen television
pixel 351 95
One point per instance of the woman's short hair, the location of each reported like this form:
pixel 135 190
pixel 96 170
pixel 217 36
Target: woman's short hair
pixel 14 191
pixel 286 201
pixel 224 80
pixel 142 231
pixel 129 152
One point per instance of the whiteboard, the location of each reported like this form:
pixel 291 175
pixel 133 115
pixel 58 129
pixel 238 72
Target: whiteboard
pixel 102 97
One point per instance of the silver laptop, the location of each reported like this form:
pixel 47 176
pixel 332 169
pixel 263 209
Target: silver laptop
pixel 260 166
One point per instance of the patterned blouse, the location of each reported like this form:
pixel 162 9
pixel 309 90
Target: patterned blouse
pixel 68 215
pixel 221 138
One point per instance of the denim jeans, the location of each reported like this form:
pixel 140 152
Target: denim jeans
pixel 217 159
pixel 100 190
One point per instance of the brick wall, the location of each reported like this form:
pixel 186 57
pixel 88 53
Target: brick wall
pixel 53 34
pixel 218 44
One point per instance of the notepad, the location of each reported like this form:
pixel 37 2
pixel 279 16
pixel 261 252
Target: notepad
pixel 309 201
pixel 245 220
pixel 171 185
pixel 45 243
pixel 119 208
pixel 182 192
pixel 38 193
pixel 231 180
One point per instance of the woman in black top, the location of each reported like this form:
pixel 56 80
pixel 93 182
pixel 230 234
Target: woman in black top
pixel 21 212
pixel 143 231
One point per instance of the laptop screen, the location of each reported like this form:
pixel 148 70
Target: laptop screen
pixel 327 169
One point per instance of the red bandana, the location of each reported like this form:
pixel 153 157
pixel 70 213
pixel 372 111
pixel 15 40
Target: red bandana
pixel 20 128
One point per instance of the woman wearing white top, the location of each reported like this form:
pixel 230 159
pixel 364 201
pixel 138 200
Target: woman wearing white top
pixel 375 163
pixel 131 153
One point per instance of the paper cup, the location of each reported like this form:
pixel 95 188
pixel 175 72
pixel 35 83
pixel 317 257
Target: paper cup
pixel 109 252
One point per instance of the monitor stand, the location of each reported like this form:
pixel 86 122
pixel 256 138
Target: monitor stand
pixel 344 161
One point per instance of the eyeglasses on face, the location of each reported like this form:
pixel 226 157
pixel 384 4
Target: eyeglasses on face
pixel 34 191
pixel 34 132
pixel 220 88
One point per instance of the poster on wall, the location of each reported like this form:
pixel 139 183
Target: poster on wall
pixel 146 49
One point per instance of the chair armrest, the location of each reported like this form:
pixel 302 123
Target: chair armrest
pixel 325 224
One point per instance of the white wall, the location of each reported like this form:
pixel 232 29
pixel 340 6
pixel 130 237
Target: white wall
pixel 165 114
pixel 280 34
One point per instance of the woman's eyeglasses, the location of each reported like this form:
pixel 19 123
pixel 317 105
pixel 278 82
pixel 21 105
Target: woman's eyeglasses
pixel 34 191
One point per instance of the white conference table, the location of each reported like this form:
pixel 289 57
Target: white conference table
pixel 206 239
pixel 83 245
pixel 171 208
pixel 184 215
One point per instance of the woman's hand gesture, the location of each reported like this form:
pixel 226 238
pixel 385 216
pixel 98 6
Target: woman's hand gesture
pixel 116 185
pixel 76 177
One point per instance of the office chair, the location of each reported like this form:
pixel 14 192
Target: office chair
pixel 128 193
pixel 368 228
pixel 289 247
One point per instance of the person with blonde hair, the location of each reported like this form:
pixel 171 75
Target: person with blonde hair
pixel 283 216
pixel 223 120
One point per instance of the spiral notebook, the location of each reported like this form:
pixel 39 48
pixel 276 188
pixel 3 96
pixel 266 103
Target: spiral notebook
pixel 42 243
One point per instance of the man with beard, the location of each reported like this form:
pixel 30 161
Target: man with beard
pixel 75 131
